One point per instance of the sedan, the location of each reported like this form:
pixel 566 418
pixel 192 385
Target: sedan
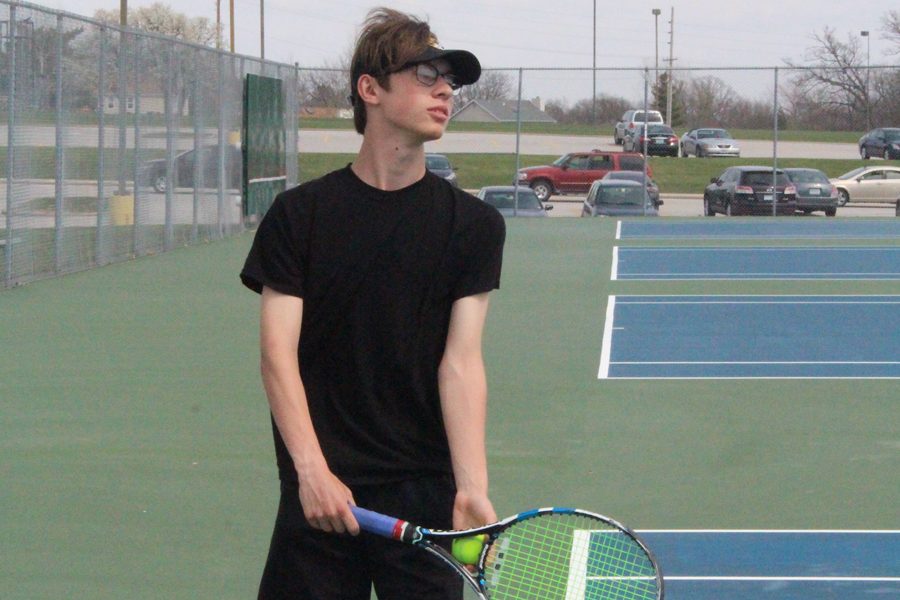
pixel 660 140
pixel 652 187
pixel 608 198
pixel 883 142
pixel 153 172
pixel 814 191
pixel 868 184
pixel 440 166
pixel 749 191
pixel 709 142
pixel 503 198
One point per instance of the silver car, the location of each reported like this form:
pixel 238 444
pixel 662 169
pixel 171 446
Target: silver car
pixel 708 141
pixel 503 198
pixel 869 184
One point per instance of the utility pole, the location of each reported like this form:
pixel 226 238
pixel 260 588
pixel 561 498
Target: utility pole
pixel 865 34
pixel 656 12
pixel 262 30
pixel 671 61
pixel 594 71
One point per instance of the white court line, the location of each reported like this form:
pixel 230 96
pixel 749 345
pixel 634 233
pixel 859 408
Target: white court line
pixel 606 345
pixel 777 578
pixel 618 229
pixel 773 531
pixel 756 362
pixel 614 273
pixel 577 581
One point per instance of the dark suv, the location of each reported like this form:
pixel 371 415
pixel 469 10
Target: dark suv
pixel 883 142
pixel 575 172
pixel 749 191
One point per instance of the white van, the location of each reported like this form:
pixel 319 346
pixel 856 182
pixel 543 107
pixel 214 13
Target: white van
pixel 628 120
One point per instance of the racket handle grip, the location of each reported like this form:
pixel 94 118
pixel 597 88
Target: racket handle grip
pixel 378 523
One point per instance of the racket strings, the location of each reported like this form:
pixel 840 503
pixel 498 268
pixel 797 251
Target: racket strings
pixel 568 557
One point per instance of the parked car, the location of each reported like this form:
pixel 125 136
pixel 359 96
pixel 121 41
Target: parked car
pixel 612 198
pixel 883 142
pixel 868 184
pixel 748 190
pixel 573 173
pixel 633 117
pixel 814 191
pixel 503 198
pixel 440 166
pixel 660 140
pixel 652 187
pixel 153 172
pixel 706 141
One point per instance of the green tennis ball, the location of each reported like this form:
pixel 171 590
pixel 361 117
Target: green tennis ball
pixel 467 550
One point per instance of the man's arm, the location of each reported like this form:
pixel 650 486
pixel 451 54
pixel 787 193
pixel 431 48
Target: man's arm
pixel 463 389
pixel 324 498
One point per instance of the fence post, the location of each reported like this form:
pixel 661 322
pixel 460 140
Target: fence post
pixel 10 146
pixel 58 223
pixel 199 151
pixel 101 144
pixel 171 165
pixel 775 147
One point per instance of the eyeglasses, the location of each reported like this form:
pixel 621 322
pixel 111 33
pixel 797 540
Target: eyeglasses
pixel 427 74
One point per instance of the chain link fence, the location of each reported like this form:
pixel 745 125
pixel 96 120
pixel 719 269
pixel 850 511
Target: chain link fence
pixel 117 143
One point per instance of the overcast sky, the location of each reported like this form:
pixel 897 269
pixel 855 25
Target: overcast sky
pixel 558 33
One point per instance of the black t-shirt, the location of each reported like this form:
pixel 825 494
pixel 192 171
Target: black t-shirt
pixel 378 272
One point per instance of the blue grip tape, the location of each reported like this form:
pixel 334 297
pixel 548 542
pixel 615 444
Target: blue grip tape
pixel 376 523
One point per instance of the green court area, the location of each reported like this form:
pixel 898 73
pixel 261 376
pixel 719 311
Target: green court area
pixel 137 458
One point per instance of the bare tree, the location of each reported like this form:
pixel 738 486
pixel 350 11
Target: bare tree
pixel 838 78
pixel 891 30
pixel 708 101
pixel 493 85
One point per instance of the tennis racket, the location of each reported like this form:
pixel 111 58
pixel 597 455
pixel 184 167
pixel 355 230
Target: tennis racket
pixel 541 554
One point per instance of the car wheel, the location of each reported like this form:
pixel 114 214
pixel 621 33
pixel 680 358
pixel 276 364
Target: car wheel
pixel 844 198
pixel 887 154
pixel 830 212
pixel 707 209
pixel 699 152
pixel 159 183
pixel 542 189
pixel 864 153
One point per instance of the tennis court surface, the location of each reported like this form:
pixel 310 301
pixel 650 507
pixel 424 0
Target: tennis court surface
pixel 137 459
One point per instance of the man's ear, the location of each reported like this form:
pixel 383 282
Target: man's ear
pixel 368 89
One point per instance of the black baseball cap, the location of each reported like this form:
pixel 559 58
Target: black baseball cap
pixel 463 64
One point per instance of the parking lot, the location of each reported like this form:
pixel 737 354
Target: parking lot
pixel 691 205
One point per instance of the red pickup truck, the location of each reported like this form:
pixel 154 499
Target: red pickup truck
pixel 574 173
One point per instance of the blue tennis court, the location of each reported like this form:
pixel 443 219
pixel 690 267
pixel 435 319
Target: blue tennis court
pixel 759 228
pixel 751 337
pixel 800 565
pixel 699 263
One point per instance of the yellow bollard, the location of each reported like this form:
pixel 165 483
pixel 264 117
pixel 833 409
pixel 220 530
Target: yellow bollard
pixel 121 209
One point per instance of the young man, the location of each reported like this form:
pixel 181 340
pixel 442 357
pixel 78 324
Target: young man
pixel 374 283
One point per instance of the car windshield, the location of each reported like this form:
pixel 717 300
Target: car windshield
pixel 763 178
pixel 628 175
pixel 561 160
pixel 652 117
pixel 853 173
pixel 504 199
pixel 621 195
pixel 892 135
pixel 808 176
pixel 437 162
pixel 713 133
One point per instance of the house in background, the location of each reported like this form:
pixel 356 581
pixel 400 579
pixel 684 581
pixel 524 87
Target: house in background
pixel 501 111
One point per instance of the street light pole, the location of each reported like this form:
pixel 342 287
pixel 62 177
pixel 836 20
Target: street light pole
pixel 594 71
pixel 656 13
pixel 865 34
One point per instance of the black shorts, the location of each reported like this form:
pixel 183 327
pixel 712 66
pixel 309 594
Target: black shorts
pixel 308 564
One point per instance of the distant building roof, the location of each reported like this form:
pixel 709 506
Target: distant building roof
pixel 500 111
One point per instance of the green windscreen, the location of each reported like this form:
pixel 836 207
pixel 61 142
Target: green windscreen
pixel 263 143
